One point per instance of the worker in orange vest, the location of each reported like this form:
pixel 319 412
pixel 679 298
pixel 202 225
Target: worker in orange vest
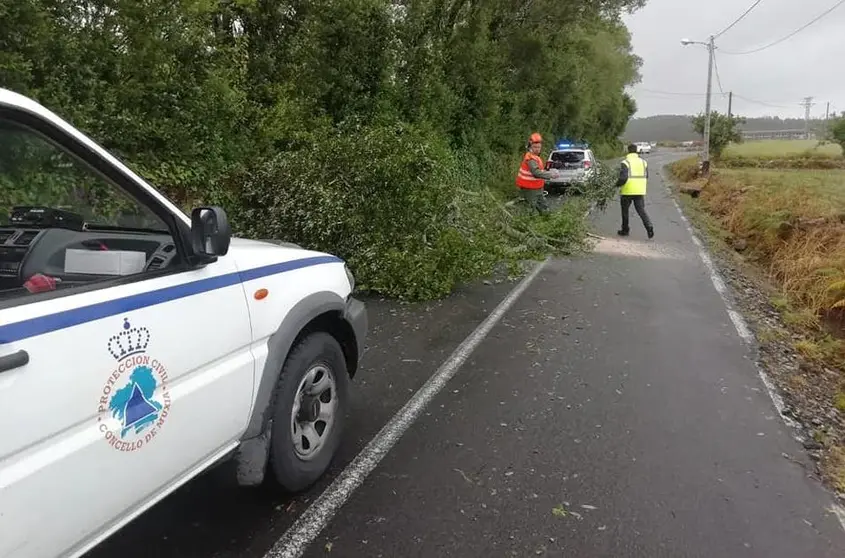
pixel 531 178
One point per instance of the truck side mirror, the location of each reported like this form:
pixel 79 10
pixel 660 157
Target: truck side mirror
pixel 210 233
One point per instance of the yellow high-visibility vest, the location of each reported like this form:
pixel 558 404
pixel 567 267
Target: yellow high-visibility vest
pixel 637 181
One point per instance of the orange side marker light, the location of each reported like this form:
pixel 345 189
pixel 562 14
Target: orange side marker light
pixel 261 294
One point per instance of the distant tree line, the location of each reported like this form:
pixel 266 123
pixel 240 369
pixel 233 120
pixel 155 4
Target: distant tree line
pixel 680 127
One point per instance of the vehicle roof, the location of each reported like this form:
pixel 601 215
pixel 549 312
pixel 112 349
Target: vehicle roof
pixel 14 100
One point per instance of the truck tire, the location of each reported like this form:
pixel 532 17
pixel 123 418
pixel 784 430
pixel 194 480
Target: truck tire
pixel 309 411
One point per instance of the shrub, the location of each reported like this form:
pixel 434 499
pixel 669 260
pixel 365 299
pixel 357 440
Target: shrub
pixel 390 199
pixel 685 169
pixel 723 130
pixel 411 218
pixel 368 128
pixel 836 131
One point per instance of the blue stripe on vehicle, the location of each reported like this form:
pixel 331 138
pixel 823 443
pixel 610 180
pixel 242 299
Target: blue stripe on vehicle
pixel 258 272
pixel 90 313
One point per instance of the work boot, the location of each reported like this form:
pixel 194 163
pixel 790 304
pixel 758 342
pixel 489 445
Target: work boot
pixel 650 232
pixel 622 232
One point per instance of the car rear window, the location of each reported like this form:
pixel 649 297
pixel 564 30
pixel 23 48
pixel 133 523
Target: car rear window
pixel 568 156
pixel 566 159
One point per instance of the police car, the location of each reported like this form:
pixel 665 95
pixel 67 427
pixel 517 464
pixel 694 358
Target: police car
pixel 575 164
pixel 139 346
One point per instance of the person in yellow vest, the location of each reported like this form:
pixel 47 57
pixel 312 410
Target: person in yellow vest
pixel 531 178
pixel 633 178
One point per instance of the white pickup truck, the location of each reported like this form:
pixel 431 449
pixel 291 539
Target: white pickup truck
pixel 140 346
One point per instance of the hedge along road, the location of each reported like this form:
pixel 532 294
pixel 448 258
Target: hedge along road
pixel 613 410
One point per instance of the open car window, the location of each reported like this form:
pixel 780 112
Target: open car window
pixel 66 227
pixel 35 174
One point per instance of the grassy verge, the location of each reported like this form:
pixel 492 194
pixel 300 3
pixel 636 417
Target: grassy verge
pixel 785 230
pixel 792 224
pixel 783 149
pixel 783 154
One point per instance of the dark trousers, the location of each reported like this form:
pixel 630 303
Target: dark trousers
pixel 536 199
pixel 639 205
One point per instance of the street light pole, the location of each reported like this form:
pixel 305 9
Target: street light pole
pixel 705 159
pixel 711 47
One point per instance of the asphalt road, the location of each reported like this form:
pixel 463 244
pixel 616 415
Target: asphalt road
pixel 614 411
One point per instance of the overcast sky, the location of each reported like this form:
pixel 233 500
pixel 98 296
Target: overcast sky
pixel 808 64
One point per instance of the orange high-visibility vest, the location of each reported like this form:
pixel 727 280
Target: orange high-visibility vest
pixel 524 178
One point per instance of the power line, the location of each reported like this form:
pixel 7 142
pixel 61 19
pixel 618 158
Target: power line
pixel 663 94
pixel 737 20
pixel 718 79
pixel 673 93
pixel 763 103
pixel 773 104
pixel 782 39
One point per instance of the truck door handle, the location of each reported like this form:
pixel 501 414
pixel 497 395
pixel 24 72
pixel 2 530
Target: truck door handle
pixel 14 360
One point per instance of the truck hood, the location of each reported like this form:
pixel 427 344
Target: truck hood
pixel 254 253
pixel 246 243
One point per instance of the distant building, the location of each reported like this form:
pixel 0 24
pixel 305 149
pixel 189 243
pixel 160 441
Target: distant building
pixel 777 134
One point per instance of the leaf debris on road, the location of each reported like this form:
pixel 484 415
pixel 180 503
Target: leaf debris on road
pixel 560 511
pixel 464 475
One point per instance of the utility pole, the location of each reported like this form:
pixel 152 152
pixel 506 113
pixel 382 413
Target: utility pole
pixel 730 103
pixel 827 111
pixel 807 103
pixel 705 160
pixel 711 47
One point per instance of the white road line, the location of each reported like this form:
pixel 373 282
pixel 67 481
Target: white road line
pixel 744 332
pixel 736 318
pixel 309 525
pixel 715 277
pixel 839 512
pixel 742 329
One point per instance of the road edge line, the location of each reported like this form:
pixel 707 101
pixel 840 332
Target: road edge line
pixel 736 318
pixel 743 330
pixel 294 542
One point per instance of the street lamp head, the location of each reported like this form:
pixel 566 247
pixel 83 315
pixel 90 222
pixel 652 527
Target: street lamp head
pixel 686 42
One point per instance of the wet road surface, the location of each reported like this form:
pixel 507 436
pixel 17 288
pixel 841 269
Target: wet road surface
pixel 613 411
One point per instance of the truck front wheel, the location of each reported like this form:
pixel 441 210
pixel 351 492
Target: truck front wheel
pixel 310 409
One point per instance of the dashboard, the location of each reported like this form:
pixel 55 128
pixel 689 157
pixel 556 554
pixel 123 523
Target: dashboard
pixel 79 256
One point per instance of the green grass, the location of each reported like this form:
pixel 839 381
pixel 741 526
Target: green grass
pixel 776 149
pixel 823 191
pixel 792 223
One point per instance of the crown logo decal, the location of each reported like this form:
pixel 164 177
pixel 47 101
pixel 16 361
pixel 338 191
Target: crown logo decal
pixel 130 341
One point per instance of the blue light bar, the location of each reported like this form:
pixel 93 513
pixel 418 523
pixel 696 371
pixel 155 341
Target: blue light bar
pixel 575 145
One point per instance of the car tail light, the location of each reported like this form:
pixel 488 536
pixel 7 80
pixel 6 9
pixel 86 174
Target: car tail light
pixel 587 164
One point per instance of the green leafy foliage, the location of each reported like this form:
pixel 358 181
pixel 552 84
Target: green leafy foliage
pixel 724 130
pixel 388 132
pixel 836 131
